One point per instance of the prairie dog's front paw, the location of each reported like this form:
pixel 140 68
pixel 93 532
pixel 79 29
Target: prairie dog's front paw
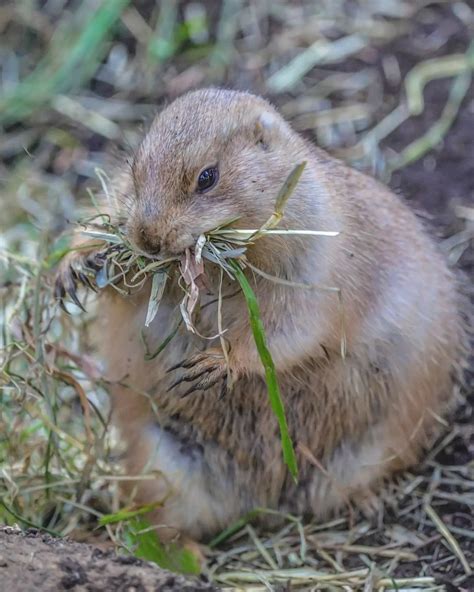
pixel 203 370
pixel 73 270
pixel 368 503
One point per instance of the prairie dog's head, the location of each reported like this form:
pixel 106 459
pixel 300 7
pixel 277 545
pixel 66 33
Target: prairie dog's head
pixel 209 157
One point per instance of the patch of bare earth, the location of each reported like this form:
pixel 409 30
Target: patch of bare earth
pixel 31 560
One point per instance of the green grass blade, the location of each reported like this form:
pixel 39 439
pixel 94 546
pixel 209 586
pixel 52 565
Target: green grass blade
pixel 282 199
pixel 233 528
pixel 125 514
pixel 24 521
pixel 53 74
pixel 152 355
pixel 270 372
pixel 145 544
pixel 288 187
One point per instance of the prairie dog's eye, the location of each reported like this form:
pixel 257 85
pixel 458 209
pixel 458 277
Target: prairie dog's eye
pixel 207 179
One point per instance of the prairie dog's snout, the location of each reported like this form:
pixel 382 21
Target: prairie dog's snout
pixel 171 242
pixel 158 236
pixel 148 239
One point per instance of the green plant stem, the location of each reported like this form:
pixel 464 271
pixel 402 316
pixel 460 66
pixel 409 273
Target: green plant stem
pixel 270 371
pixel 53 74
pixel 27 522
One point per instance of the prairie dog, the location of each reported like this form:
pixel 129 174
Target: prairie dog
pixel 214 155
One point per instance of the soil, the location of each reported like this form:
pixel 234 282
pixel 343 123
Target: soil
pixel 32 560
pixel 434 186
pixel 443 178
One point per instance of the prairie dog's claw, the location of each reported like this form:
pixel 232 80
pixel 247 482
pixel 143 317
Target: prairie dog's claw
pixel 66 283
pixel 95 261
pixel 204 370
pixel 70 275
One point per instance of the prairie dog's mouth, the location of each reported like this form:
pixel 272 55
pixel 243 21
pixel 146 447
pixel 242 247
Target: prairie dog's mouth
pixel 172 252
pixel 174 243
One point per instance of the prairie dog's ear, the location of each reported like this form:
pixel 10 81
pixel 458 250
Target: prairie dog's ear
pixel 267 127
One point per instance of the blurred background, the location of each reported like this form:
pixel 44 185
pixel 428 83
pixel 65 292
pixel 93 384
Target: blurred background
pixel 385 85
pixel 81 79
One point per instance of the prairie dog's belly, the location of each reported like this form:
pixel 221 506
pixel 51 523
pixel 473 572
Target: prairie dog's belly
pixel 178 459
pixel 193 501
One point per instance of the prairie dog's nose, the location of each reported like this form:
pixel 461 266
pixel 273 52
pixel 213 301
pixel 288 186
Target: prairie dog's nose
pixel 149 242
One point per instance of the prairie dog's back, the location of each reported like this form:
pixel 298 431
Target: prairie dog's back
pixel 386 261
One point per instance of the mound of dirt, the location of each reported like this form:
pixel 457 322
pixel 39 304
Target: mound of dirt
pixel 31 560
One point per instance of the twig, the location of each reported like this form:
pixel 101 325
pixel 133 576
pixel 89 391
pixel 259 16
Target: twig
pixel 449 538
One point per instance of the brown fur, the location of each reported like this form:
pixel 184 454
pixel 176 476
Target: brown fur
pixel 360 417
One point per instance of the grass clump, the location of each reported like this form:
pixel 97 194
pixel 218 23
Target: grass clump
pixel 52 433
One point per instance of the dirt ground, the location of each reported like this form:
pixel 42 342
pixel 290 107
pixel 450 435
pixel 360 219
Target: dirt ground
pixel 31 560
